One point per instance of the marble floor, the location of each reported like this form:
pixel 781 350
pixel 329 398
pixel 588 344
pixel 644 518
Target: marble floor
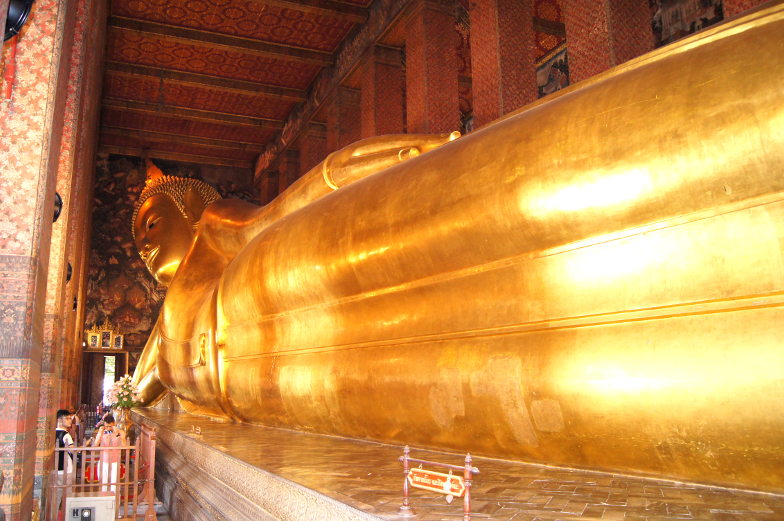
pixel 368 477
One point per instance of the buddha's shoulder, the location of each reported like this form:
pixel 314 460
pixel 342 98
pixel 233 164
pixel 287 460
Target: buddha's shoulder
pixel 229 212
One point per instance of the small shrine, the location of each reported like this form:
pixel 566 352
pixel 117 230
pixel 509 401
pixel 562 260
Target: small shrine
pixel 106 336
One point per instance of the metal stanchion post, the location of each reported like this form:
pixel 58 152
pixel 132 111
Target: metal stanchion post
pixel 467 498
pixel 406 510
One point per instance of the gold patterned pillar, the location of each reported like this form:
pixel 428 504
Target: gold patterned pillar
pixel 31 122
pixel 80 68
pixel 78 153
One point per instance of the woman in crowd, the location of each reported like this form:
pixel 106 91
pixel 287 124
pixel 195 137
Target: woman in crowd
pixel 109 435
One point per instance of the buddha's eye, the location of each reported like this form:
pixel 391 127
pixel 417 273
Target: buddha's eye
pixel 151 224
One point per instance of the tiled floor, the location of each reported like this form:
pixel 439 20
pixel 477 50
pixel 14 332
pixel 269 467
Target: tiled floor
pixel 368 476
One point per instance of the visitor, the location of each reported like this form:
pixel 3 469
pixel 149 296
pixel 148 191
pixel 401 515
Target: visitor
pixel 102 419
pixel 109 435
pixel 65 465
pixel 73 430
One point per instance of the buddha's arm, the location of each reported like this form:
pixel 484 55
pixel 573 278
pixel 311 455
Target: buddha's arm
pixel 145 377
pixel 228 225
pixel 352 163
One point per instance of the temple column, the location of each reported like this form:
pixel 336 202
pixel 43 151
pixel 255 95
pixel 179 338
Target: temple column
pixel 288 169
pixel 312 147
pixel 432 101
pixel 56 361
pixel 502 57
pixel 3 13
pixel 31 123
pixel 343 122
pixel 382 92
pixel 601 34
pixel 78 154
pixel 74 324
pixel 267 185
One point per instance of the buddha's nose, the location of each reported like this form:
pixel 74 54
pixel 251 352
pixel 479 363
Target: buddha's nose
pixel 145 251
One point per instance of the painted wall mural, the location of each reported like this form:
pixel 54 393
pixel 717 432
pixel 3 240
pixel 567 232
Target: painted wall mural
pixel 673 19
pixel 552 71
pixel 119 288
pixel 552 64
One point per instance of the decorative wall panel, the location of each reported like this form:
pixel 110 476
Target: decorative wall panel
pixel 672 20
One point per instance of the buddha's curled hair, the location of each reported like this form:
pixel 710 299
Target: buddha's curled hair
pixel 175 188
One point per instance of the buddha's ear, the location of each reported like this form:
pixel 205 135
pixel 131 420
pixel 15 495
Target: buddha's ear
pixel 194 205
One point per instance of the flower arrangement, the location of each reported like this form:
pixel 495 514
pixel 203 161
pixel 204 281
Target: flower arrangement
pixel 123 393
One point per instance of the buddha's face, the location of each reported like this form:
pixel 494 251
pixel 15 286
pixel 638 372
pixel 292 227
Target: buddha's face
pixel 163 236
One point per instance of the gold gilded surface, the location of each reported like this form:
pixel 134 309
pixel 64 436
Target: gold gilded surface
pixel 595 280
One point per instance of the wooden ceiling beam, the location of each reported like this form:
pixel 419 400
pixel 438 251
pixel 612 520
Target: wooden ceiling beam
pixel 205 81
pixel 223 41
pixel 349 12
pixel 191 114
pixel 175 156
pixel 169 137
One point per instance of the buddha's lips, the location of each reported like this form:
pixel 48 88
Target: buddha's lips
pixel 151 256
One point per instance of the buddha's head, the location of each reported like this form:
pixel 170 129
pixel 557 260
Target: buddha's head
pixel 165 219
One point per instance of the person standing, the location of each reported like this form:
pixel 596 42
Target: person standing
pixel 109 435
pixel 65 465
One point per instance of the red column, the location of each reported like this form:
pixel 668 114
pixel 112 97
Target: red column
pixel 77 251
pixel 333 130
pixel 601 34
pixel 312 147
pixel 59 369
pixel 382 92
pixel 267 186
pixel 343 118
pixel 288 169
pixel 502 57
pixel 432 102
pixel 349 116
pixel 630 27
pixel 736 7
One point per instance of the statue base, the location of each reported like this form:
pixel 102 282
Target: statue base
pixel 207 470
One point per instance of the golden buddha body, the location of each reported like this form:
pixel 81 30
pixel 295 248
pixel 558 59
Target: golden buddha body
pixel 595 280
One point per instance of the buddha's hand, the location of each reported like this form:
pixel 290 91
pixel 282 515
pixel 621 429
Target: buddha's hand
pixel 370 155
pixel 145 377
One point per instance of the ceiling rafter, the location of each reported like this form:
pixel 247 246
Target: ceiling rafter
pixel 191 114
pixel 181 139
pixel 175 156
pixel 349 12
pixel 223 41
pixel 205 81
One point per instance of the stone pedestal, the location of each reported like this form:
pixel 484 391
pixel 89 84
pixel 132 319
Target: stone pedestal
pixel 233 472
pixel 207 470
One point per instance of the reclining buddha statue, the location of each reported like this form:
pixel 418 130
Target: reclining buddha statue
pixel 595 280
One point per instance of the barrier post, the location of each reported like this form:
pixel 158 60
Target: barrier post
pixel 406 510
pixel 467 497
